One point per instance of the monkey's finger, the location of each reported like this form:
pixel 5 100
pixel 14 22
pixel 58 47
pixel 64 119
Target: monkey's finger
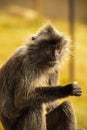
pixel 77 90
pixel 77 93
pixel 76 87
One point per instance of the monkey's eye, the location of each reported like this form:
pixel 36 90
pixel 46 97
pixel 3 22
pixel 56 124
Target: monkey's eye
pixel 59 47
pixel 48 50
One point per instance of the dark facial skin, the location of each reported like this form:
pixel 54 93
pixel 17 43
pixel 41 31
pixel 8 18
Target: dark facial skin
pixel 49 50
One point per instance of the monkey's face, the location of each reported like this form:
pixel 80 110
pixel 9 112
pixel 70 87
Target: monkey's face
pixel 51 46
pixel 51 51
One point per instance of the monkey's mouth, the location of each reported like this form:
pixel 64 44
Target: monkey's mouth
pixel 52 63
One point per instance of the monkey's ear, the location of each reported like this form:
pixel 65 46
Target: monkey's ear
pixel 33 37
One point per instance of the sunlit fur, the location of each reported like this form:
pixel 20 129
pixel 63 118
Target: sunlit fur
pixel 29 79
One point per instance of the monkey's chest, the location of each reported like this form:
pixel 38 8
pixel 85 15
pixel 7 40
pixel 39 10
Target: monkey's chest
pixel 42 81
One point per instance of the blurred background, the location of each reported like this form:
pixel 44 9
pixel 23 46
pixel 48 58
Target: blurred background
pixel 21 18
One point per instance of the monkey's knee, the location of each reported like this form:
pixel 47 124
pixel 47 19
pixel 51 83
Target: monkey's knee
pixel 62 118
pixel 65 104
pixel 67 120
pixel 68 111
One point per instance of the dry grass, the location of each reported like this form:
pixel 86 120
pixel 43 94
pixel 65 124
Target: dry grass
pixel 13 30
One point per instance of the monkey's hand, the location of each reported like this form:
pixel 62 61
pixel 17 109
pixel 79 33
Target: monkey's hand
pixel 73 89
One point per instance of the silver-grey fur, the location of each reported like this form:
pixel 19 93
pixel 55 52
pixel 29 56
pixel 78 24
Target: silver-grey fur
pixel 29 85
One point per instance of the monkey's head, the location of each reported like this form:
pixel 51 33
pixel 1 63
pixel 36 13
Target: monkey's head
pixel 48 47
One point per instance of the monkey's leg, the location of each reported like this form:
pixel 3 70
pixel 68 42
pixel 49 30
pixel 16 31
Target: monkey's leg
pixel 32 119
pixel 61 118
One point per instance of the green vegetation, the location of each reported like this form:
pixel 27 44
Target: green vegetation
pixel 13 30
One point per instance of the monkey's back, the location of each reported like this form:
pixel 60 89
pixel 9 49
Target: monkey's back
pixel 14 73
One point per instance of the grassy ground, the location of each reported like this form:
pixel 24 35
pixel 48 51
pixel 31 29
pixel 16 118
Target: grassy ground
pixel 13 30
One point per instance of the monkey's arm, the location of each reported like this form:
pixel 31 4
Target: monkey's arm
pixel 44 95
pixel 50 94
